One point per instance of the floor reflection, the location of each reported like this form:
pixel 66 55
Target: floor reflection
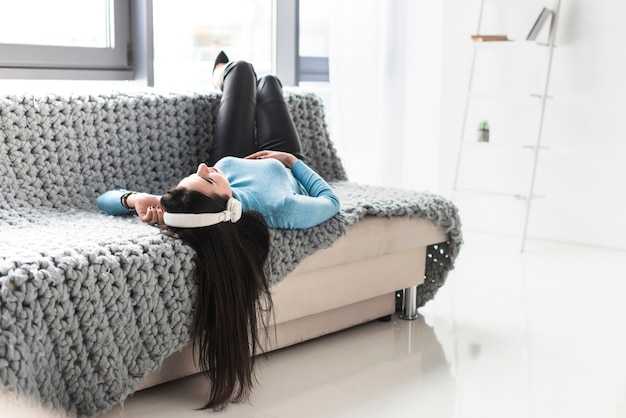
pixel 510 335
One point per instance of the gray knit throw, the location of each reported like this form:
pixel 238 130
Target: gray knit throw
pixel 90 303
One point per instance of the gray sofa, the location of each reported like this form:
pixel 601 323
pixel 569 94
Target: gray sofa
pixel 95 307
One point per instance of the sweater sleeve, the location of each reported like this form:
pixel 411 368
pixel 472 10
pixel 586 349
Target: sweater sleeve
pixel 111 204
pixel 320 205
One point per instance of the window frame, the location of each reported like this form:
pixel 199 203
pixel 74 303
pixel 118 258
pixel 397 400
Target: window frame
pixel 24 61
pixel 313 69
pixel 286 40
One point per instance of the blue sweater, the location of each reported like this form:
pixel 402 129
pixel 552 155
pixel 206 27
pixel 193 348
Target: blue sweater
pixel 293 198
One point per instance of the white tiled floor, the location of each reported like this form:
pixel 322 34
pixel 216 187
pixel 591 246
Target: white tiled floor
pixel 539 334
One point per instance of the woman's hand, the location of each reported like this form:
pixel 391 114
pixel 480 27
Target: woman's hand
pixel 148 207
pixel 287 159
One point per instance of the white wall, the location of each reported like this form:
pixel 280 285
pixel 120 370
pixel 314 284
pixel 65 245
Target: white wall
pixel 583 171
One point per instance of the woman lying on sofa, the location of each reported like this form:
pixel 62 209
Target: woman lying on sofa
pixel 252 182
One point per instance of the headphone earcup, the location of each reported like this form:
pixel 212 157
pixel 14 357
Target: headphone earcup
pixel 234 207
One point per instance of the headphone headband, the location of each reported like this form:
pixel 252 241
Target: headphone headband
pixel 198 220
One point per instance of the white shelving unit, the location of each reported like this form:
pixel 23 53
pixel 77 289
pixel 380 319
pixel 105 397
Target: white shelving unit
pixel 534 145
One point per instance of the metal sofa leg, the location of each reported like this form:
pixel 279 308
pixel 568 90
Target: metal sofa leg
pixel 409 303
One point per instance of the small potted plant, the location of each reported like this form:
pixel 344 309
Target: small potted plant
pixel 483 131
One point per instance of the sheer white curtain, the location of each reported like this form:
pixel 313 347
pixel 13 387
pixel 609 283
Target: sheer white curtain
pixel 385 62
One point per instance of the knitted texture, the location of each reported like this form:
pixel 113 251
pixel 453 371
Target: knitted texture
pixel 90 303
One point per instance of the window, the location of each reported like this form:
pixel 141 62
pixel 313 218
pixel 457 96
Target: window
pixel 313 50
pixel 188 35
pixel 54 41
pixel 314 21
pixel 154 43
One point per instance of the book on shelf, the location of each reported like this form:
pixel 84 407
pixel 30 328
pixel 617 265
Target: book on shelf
pixel 541 20
pixel 489 38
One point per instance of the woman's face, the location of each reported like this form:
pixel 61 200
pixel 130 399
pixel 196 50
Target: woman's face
pixel 207 180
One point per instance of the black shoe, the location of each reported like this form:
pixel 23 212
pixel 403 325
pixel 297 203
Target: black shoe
pixel 218 79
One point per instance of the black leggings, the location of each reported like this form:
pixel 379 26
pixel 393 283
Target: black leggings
pixel 244 101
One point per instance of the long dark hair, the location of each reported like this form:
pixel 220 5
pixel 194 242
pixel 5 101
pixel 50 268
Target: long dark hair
pixel 233 299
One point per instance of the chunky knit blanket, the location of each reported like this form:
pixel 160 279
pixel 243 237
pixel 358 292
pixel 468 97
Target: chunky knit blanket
pixel 89 303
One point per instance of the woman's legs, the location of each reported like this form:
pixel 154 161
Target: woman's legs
pixel 275 128
pixel 233 134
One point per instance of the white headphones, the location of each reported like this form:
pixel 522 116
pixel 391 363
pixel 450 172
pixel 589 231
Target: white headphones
pixel 199 220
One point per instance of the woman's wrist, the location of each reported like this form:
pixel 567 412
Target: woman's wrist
pixel 291 160
pixel 128 200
